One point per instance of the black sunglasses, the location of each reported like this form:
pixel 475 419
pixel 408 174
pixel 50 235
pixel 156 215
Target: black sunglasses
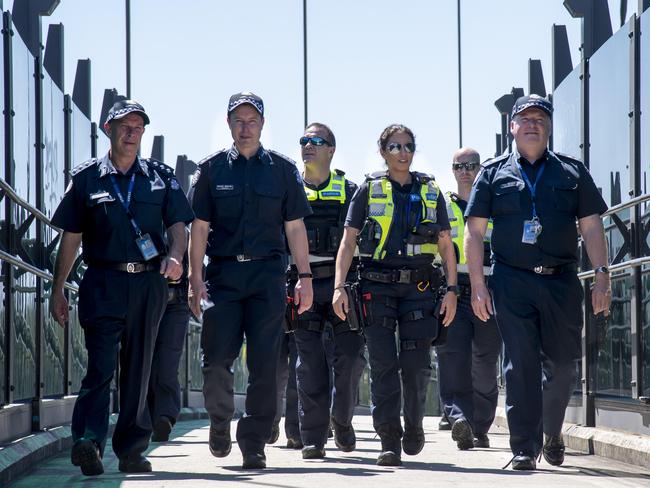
pixel 465 166
pixel 396 147
pixel 315 141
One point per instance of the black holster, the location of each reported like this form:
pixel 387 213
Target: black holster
pixel 291 315
pixel 354 316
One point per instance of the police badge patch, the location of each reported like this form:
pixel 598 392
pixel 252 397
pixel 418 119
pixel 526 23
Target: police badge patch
pixel 174 184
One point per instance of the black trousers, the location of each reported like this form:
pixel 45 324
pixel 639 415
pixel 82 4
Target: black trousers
pixel 118 311
pixel 408 358
pixel 467 368
pixel 249 300
pixel 316 394
pixel 540 319
pixel 164 389
pixel 287 399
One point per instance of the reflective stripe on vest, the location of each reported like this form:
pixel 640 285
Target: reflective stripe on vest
pixel 335 190
pixel 381 208
pixel 457 223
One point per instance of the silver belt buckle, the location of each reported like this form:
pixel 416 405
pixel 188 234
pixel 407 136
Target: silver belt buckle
pixel 241 258
pixel 130 267
pixel 404 276
pixel 538 269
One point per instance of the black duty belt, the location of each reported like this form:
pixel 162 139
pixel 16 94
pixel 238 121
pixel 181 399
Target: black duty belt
pixel 318 272
pixel 136 267
pixel 399 275
pixel 555 270
pixel 240 258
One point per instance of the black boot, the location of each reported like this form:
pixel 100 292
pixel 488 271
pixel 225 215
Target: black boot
pixel 413 440
pixel 391 445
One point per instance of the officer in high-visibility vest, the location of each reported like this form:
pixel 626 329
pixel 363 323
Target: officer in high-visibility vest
pixel 329 193
pixel 400 217
pixel 467 362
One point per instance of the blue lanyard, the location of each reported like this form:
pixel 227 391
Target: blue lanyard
pixel 532 187
pixel 127 203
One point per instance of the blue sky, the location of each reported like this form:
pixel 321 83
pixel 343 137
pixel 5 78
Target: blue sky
pixel 371 63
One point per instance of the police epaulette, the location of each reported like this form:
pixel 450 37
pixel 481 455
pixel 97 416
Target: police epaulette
pixel 279 154
pixel 162 168
pixel 339 172
pixel 497 159
pixel 80 167
pixel 211 156
pixel 376 175
pixel 565 156
pixel 424 177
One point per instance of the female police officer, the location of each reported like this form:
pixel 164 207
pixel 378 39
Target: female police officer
pixel 399 216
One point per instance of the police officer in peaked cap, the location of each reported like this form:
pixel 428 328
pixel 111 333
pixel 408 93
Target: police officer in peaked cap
pixel 535 197
pixel 119 207
pixel 246 200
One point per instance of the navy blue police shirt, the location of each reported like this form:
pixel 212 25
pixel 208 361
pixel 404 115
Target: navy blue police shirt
pixel 247 201
pixel 402 221
pixel 91 207
pixel 564 193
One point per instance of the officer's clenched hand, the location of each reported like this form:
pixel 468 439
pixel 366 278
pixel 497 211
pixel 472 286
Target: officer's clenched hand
pixel 303 295
pixel 171 268
pixel 481 302
pixel 197 292
pixel 601 294
pixel 59 307
pixel 448 308
pixel 340 303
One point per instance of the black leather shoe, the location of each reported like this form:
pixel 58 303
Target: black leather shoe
pixel 391 445
pixel 294 443
pixel 524 462
pixel 444 424
pixel 413 440
pixel 162 427
pixel 554 450
pixel 135 464
pixel 344 437
pixel 462 433
pixel 254 460
pixel 220 443
pixel 313 452
pixel 85 454
pixel 275 433
pixel 481 440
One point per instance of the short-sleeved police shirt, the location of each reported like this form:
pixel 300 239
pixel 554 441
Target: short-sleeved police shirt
pixel 92 207
pixel 565 192
pixel 403 221
pixel 247 201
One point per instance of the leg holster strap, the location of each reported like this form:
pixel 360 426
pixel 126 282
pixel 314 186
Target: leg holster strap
pixel 412 316
pixel 413 344
pixel 311 325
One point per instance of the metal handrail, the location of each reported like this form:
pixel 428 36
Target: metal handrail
pixel 26 205
pixel 19 263
pixel 630 203
pixel 632 263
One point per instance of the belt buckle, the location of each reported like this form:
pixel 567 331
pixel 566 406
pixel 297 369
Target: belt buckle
pixel 130 267
pixel 241 258
pixel 404 276
pixel 538 269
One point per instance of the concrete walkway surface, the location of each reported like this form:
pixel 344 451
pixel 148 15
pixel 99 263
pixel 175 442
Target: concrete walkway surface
pixel 185 461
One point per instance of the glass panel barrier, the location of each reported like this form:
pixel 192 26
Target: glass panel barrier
pixel 566 115
pixel 80 137
pixel 609 105
pixel 53 188
pixel 196 375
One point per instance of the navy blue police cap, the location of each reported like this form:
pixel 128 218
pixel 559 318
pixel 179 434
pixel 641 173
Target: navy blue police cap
pixel 532 101
pixel 246 97
pixel 122 108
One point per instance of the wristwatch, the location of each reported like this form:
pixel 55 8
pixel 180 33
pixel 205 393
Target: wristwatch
pixel 601 269
pixel 454 289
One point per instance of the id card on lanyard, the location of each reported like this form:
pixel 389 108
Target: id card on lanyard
pixel 143 241
pixel 532 227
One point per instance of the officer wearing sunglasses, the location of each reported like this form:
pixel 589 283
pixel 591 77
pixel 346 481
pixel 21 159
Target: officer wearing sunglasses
pixel 467 362
pixel 400 219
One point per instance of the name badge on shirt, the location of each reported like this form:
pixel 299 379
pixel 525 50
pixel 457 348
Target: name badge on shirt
pixel 147 247
pixel 532 229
